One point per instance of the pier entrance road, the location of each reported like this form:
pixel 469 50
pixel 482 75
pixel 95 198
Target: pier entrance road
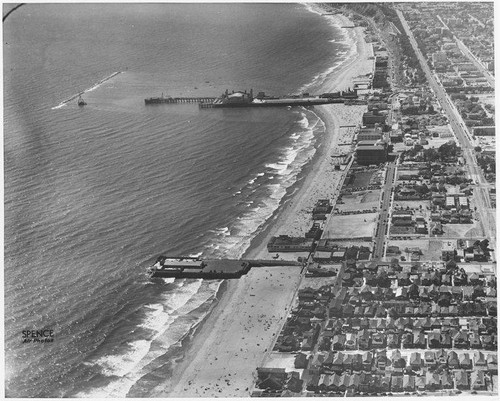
pixel 380 236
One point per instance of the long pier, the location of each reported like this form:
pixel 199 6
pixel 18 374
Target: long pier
pixel 246 99
pixel 193 99
pixel 175 100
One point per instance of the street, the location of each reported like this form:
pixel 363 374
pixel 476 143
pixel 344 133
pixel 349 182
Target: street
pixel 378 250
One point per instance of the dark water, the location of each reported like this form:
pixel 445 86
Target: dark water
pixel 94 194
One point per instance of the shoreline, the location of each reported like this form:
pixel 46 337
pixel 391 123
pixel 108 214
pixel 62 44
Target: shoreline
pixel 208 367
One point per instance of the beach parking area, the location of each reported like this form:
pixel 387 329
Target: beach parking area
pixel 350 226
pixel 360 201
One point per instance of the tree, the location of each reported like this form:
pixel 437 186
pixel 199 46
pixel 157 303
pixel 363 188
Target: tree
pixel 422 189
pixel 478 149
pixel 484 245
pixel 448 150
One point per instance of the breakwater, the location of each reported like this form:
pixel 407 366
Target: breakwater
pixel 95 86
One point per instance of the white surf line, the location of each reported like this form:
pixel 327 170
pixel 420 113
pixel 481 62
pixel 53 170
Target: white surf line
pixel 95 86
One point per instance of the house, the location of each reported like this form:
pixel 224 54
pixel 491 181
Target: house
pixel 432 381
pixel 407 340
pixel 419 340
pixel 324 383
pixel 385 383
pixel 289 344
pixel 397 384
pixel 442 357
pixel 338 362
pixel 380 325
pixel 271 378
pixel 462 380
pixel 307 344
pixel 461 340
pixel 398 362
pixel 367 360
pixel 446 380
pixel 334 382
pixel 393 340
pixel 492 363
pixel 345 380
pixel 364 339
pixel 434 339
pixel 365 382
pixel 408 383
pixel 357 362
pixel 420 383
pixel 487 342
pixel 415 360
pixel 445 340
pixel 477 380
pixel 435 323
pixel 294 383
pixel 435 310
pixel 430 358
pixel 338 342
pixel 423 293
pixel 350 341
pixel 465 361
pixel 301 361
pixel 284 243
pixel 316 363
pixel 381 360
pixel 391 326
pixel 313 383
pixel 348 311
pixel 478 291
pixel 467 292
pixel 453 361
pixel 427 324
pixel 347 362
pixel 378 340
pixel 479 359
pixel 353 382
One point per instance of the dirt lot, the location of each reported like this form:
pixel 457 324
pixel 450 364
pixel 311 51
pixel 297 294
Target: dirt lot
pixel 281 360
pixel 463 230
pixel 419 208
pixel 406 172
pixel 318 282
pixel 431 249
pixel 351 226
pixel 359 201
pixel 401 230
pixel 361 179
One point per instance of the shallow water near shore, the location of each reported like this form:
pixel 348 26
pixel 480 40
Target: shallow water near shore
pixel 94 194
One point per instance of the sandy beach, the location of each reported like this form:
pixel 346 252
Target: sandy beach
pixel 241 329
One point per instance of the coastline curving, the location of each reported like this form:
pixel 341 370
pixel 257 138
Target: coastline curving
pixel 215 341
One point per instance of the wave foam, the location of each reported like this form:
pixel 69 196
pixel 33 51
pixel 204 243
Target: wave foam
pixel 266 195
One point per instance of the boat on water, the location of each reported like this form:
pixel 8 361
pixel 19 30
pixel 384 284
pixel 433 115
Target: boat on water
pixel 81 102
pixel 195 267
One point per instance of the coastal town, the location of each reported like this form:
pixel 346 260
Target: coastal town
pixel 398 293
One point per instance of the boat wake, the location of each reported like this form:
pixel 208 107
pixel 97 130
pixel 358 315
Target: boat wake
pixel 95 86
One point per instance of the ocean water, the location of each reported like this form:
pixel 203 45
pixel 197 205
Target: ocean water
pixel 94 194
